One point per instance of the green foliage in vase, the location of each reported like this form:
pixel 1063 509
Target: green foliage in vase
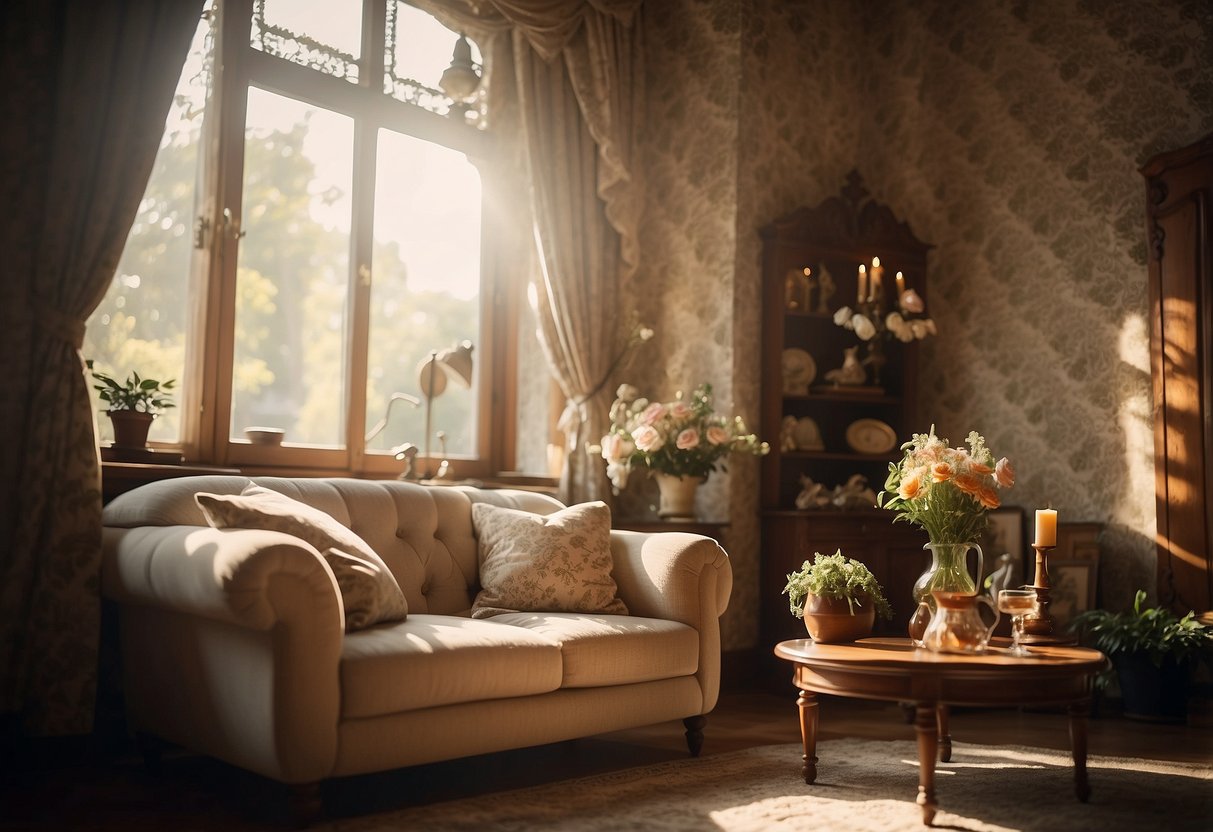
pixel 835 576
pixel 143 395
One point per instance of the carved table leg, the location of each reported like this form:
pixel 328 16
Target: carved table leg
pixel 694 733
pixel 1078 712
pixel 927 725
pixel 945 738
pixel 808 732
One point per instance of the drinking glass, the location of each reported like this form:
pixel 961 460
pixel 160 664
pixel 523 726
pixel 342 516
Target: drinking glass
pixel 1017 603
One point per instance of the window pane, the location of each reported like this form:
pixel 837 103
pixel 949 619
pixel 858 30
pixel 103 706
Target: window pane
pixel 419 50
pixel 140 326
pixel 293 271
pixel 426 290
pixel 320 34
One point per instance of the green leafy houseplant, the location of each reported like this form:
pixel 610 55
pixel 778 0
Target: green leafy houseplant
pixel 1155 632
pixel 141 395
pixel 835 576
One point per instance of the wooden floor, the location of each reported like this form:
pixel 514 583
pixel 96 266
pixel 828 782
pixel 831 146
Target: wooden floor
pixel 196 793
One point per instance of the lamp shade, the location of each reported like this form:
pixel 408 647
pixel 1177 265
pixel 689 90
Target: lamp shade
pixel 460 79
pixel 452 363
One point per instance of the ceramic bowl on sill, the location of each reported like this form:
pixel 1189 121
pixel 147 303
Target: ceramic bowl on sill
pixel 264 436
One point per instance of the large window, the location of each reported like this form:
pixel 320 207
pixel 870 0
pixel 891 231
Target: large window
pixel 305 271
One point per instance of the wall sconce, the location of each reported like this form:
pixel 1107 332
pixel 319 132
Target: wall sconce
pixel 454 363
pixel 461 79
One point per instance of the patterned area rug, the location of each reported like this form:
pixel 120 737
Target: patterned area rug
pixel 861 785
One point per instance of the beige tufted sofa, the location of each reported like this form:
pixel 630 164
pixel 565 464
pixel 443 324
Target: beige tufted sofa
pixel 232 641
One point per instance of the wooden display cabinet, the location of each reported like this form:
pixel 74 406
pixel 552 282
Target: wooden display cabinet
pixel 832 240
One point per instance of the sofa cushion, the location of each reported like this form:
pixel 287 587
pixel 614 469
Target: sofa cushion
pixel 613 649
pixel 369 592
pixel 558 562
pixel 433 660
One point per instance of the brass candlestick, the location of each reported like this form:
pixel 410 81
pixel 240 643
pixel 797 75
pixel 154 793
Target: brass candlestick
pixel 1040 628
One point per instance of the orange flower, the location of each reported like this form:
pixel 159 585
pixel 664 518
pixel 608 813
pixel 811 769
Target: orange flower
pixel 980 468
pixel 968 483
pixel 1004 473
pixel 987 497
pixel 942 472
pixel 910 487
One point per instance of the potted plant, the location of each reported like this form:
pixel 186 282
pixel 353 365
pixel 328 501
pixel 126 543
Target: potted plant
pixel 133 404
pixel 1153 653
pixel 838 598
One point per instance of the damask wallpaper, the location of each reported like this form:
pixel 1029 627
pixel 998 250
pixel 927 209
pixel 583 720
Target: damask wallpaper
pixel 1008 133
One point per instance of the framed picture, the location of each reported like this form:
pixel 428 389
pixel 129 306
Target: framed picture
pixel 1005 536
pixel 1074 571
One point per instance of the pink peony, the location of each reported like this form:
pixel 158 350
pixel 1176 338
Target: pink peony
pixel 687 439
pixel 718 435
pixel 653 414
pixel 1004 473
pixel 680 410
pixel 648 438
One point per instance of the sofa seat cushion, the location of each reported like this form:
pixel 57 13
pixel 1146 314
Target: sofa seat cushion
pixel 432 660
pixel 613 649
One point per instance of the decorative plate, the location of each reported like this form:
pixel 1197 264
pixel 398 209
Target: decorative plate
pixel 871 436
pixel 799 370
pixel 807 435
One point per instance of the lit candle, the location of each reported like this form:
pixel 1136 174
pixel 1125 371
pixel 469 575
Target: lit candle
pixel 1046 527
pixel 862 295
pixel 901 283
pixel 875 281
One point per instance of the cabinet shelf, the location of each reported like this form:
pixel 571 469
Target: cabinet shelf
pixel 843 455
pixel 843 396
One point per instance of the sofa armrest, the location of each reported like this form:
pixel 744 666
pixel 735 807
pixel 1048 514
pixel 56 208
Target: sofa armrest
pixel 249 577
pixel 672 575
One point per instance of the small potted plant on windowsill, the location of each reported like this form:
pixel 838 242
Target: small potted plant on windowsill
pixel 837 597
pixel 133 404
pixel 1153 653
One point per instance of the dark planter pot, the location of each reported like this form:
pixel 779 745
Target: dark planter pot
pixel 829 620
pixel 1153 694
pixel 130 428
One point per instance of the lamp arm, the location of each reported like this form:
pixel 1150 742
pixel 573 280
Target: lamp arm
pixel 382 423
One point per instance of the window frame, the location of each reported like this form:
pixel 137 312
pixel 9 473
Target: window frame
pixel 207 393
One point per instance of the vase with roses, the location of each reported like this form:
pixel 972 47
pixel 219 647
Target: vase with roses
pixel 681 442
pixel 947 492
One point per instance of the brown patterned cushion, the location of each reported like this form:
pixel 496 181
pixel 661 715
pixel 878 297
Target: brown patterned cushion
pixel 555 563
pixel 369 591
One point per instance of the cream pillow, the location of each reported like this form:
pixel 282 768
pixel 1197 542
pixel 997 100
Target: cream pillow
pixel 555 563
pixel 369 591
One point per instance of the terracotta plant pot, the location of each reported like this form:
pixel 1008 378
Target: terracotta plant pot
pixel 130 428
pixel 829 620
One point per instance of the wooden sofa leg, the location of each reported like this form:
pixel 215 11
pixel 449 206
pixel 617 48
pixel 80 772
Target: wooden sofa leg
pixel 694 725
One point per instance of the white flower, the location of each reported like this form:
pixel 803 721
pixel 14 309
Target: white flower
pixel 911 301
pixel 919 329
pixel 627 393
pixel 864 328
pixel 843 316
pixel 645 333
pixel 648 438
pixel 930 325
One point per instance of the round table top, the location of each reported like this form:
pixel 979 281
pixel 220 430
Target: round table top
pixel 893 668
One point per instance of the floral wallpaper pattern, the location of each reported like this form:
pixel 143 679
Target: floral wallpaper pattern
pixel 1005 132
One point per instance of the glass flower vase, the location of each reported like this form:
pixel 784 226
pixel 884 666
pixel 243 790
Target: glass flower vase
pixel 948 572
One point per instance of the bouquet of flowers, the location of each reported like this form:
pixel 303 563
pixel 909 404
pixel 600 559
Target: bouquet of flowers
pixel 899 324
pixel 685 437
pixel 944 490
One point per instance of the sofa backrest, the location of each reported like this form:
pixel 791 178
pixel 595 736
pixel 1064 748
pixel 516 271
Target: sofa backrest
pixel 423 533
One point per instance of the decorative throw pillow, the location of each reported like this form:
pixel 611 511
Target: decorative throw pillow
pixel 555 563
pixel 369 591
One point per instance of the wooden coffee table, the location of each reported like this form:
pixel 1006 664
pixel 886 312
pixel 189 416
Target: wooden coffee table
pixel 893 669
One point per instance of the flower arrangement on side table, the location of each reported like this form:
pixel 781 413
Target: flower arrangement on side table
pixel 682 438
pixel 947 492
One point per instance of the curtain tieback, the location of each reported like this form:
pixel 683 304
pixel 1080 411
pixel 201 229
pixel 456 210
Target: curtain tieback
pixel 56 322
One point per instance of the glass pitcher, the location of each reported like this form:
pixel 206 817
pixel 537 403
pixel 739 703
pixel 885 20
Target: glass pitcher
pixel 957 625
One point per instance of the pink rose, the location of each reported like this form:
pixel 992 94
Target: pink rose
pixel 718 435
pixel 1004 473
pixel 680 410
pixel 652 414
pixel 648 438
pixel 687 439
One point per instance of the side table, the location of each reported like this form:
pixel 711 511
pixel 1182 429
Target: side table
pixel 893 669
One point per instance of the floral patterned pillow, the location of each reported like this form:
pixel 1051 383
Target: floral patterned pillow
pixel 555 563
pixel 369 591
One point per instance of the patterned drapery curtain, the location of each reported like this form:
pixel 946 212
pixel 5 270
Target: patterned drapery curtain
pixel 88 84
pixel 576 85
